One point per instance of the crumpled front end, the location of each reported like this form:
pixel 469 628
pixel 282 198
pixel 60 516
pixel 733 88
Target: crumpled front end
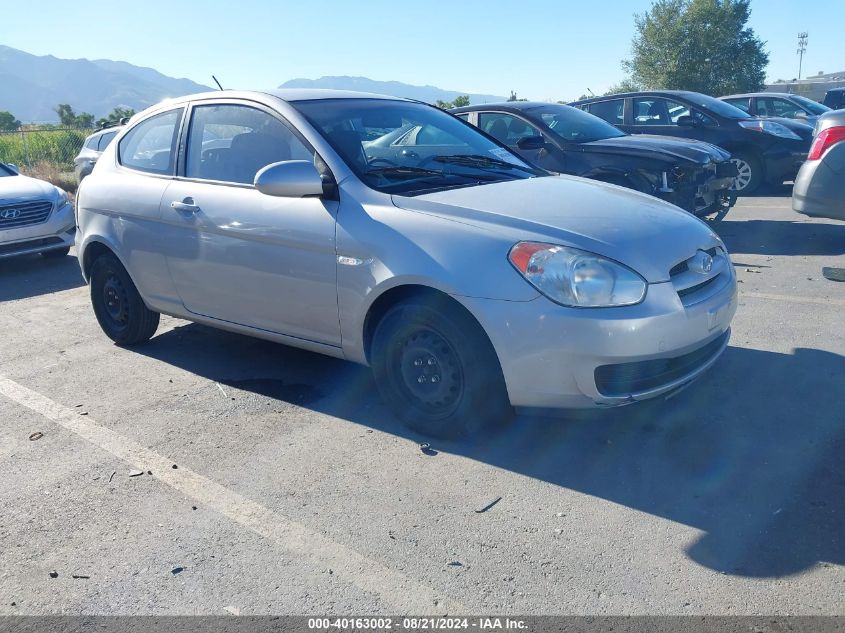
pixel 700 189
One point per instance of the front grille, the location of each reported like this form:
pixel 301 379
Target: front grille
pixel 16 215
pixel 628 378
pixel 25 246
pixel 682 267
pixel 691 289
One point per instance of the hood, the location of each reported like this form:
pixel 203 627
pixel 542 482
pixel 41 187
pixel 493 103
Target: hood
pixel 672 148
pixel 640 231
pixel 19 188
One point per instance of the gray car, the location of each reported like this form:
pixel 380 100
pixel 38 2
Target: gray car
pixel 778 104
pixel 91 150
pixel 468 280
pixel 820 185
pixel 35 216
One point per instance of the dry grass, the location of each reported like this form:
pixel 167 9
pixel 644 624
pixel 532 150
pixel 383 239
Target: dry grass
pixel 50 172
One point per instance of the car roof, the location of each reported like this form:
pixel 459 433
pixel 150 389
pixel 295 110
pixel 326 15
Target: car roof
pixel 285 94
pixel 761 94
pixel 505 105
pixel 842 89
pixel 643 93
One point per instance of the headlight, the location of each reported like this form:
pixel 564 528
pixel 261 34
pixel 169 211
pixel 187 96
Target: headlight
pixel 577 278
pixel 62 199
pixel 770 127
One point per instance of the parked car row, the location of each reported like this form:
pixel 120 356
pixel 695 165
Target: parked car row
pixel 693 175
pixel 763 150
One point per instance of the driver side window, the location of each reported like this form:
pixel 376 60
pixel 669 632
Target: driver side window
pixel 506 128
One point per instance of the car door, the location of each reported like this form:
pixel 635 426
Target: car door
pixel 660 115
pixel 236 254
pixel 511 129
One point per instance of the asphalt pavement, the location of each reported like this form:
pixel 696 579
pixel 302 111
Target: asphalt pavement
pixel 211 473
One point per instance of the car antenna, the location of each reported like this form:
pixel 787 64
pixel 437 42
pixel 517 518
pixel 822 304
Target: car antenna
pixel 217 82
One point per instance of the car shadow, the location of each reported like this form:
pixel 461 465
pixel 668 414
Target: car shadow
pixel 751 454
pixel 33 275
pixel 781 237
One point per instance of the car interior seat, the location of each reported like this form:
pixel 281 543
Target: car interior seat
pixel 498 129
pixel 252 151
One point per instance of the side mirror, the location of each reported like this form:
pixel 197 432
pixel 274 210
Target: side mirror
pixel 687 121
pixel 13 167
pixel 531 142
pixel 800 114
pixel 289 179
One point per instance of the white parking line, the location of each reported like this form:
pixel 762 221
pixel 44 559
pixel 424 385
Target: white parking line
pixel 794 299
pixel 404 593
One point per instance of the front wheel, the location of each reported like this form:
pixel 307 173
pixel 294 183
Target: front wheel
pixel 436 369
pixel 119 308
pixel 749 174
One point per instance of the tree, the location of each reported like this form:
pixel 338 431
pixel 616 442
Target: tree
pixel 626 85
pixel 699 45
pixel 8 122
pixel 115 116
pixel 513 97
pixel 459 102
pixel 69 118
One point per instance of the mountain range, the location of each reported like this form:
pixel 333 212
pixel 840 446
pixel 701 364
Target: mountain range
pixel 32 85
pixel 429 94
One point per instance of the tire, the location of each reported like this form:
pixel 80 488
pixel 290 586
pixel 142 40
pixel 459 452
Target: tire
pixel 750 173
pixel 57 254
pixel 437 370
pixel 119 308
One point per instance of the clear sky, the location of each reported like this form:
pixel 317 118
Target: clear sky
pixel 542 49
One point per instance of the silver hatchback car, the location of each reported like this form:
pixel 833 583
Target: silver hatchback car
pixel 393 234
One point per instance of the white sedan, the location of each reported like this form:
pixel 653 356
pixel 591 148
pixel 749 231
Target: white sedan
pixel 35 216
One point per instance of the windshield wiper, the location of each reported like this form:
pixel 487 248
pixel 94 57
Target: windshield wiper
pixel 401 171
pixel 477 160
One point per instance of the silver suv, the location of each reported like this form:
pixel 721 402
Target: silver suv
pixel 390 233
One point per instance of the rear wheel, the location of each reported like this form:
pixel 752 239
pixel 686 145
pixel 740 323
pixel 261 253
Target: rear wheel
pixel 749 173
pixel 119 308
pixel 56 254
pixel 436 369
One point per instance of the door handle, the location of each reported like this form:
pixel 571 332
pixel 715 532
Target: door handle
pixel 187 205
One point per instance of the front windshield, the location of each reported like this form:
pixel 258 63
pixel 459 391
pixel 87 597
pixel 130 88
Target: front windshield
pixel 573 125
pixel 405 147
pixel 717 106
pixel 813 106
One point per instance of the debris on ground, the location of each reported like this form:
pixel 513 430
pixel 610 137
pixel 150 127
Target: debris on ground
pixel 53 574
pixel 425 447
pixel 113 473
pixel 149 472
pixel 833 274
pixel 489 505
pixel 232 610
pixel 136 473
pixel 751 270
pixel 80 576
pixel 35 436
pixel 193 507
pixel 455 563
pixel 174 467
pixel 559 514
pixel 177 570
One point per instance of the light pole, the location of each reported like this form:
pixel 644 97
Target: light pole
pixel 802 47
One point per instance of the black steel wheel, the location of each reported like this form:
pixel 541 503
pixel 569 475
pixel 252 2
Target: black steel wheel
pixel 118 306
pixel 436 369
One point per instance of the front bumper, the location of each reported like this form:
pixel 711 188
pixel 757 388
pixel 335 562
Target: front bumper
pixel 558 357
pixel 700 191
pixel 55 233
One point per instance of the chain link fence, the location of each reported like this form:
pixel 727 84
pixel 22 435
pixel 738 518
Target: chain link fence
pixel 45 153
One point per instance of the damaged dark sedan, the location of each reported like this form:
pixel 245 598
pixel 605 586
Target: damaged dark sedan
pixel 693 175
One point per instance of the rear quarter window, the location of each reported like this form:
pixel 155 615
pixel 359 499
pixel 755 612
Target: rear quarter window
pixel 612 111
pixel 150 146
